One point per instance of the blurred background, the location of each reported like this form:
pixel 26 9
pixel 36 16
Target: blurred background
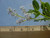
pixel 8 20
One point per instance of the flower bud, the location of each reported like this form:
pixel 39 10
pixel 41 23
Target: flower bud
pixel 10 11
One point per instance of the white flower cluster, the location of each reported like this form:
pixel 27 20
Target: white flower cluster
pixel 27 16
pixel 12 12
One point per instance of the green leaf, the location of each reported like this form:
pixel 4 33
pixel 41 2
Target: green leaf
pixel 44 19
pixel 36 13
pixel 30 11
pixel 45 8
pixel 35 5
pixel 47 5
pixel 42 5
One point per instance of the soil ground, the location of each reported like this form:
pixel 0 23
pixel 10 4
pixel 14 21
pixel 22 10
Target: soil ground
pixel 33 34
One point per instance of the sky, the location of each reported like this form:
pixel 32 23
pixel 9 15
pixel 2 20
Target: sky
pixel 8 20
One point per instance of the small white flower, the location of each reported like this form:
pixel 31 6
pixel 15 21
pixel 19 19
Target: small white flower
pixel 28 16
pixel 19 21
pixel 21 7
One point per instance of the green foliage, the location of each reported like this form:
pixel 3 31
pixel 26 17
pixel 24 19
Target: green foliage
pixel 30 11
pixel 45 6
pixel 35 5
pixel 35 12
pixel 42 5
